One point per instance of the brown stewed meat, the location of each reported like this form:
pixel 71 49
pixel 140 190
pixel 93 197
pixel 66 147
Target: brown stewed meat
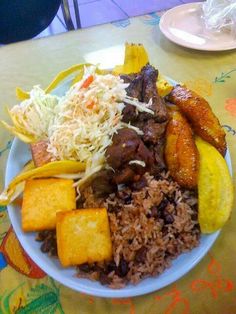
pixel 134 90
pixel 150 92
pixel 129 113
pixel 128 78
pixel 127 146
pixel 157 151
pixel 135 87
pixel 143 87
pixel 152 131
pixel 102 183
pixel 153 138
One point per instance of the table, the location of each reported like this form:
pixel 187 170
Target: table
pixel 211 286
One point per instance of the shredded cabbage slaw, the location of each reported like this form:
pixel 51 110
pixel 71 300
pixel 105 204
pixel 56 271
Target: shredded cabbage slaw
pixel 80 125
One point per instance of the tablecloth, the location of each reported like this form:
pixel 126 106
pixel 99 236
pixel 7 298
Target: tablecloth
pixel 211 286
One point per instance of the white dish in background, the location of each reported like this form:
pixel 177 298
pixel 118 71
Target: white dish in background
pixel 184 26
pixel 18 156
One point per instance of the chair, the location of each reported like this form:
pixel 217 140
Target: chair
pixel 67 14
pixel 24 19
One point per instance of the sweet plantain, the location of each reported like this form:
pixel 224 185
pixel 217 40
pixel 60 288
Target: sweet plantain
pixel 215 189
pixel 198 111
pixel 181 154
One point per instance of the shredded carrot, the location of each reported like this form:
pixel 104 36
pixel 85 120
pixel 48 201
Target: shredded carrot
pixel 87 82
pixel 90 104
pixel 115 120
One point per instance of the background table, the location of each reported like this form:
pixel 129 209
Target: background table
pixel 211 286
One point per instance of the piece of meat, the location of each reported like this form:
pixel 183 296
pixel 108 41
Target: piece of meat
pixel 40 154
pixel 140 184
pixel 128 78
pixel 127 146
pixel 143 87
pixel 152 131
pixel 135 87
pixel 157 151
pixel 181 154
pixel 149 92
pixel 102 183
pixel 154 138
pixel 198 111
pixel 134 90
pixel 126 175
pixel 129 113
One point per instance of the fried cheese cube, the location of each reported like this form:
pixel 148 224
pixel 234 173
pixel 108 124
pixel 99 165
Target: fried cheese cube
pixel 40 154
pixel 42 199
pixel 83 236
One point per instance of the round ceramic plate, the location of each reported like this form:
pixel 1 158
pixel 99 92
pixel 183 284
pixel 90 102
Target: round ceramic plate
pixel 18 156
pixel 184 26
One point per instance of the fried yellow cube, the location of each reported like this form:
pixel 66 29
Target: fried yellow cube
pixel 42 199
pixel 83 236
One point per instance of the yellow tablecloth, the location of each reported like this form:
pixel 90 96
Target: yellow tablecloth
pixel 211 286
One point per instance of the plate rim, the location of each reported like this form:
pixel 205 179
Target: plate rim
pixel 175 40
pixel 104 292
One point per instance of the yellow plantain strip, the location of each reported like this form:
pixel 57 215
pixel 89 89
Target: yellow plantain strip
pixel 21 94
pixel 29 166
pixel 20 187
pixel 23 137
pixel 48 170
pixel 63 74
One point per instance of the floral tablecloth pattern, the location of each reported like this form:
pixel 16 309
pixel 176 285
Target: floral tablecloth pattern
pixel 211 286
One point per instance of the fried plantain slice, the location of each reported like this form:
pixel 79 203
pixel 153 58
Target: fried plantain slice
pixel 181 153
pixel 198 111
pixel 215 189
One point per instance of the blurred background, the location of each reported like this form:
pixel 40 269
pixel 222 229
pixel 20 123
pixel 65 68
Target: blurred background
pixel 24 19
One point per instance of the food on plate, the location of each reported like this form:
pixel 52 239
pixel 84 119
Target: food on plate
pixel 152 125
pixel 150 95
pixel 136 58
pixel 83 236
pixel 181 154
pixel 40 154
pixel 142 86
pixel 163 86
pixel 215 189
pixel 130 158
pixel 64 168
pixel 198 111
pixel 43 199
pixel 151 221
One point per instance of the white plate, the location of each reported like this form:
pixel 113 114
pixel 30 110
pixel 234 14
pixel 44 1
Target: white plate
pixel 18 156
pixel 184 26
